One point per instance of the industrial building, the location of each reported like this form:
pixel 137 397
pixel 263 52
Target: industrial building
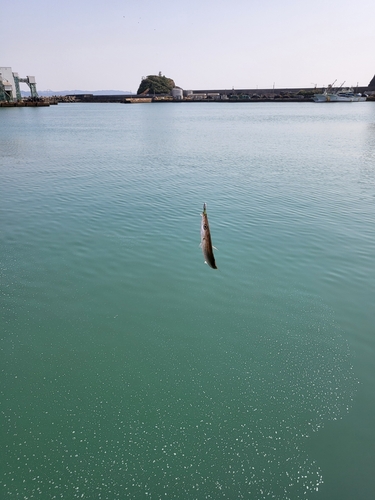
pixel 10 85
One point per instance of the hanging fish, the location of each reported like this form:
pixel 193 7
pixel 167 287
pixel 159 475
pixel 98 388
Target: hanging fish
pixel 206 243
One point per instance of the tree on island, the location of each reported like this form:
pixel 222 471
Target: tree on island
pixel 156 84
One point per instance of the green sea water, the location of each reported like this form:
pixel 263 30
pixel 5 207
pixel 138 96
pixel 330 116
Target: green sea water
pixel 128 367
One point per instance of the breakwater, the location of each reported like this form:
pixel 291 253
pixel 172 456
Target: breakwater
pixel 210 95
pixel 23 104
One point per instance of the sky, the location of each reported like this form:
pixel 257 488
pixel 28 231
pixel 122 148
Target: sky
pixel 205 44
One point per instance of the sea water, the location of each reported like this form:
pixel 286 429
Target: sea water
pixel 131 369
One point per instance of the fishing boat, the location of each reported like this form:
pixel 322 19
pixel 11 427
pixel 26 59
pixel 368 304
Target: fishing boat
pixel 339 95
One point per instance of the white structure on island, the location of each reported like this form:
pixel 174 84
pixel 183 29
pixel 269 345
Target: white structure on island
pixel 177 93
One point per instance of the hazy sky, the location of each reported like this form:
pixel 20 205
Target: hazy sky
pixel 95 45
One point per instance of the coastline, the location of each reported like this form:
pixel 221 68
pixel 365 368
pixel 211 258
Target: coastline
pixel 210 95
pixel 189 96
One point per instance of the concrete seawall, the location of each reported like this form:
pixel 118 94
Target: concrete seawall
pixel 23 104
pixel 213 95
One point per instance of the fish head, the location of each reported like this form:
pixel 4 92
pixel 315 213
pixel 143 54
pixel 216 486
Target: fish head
pixel 205 229
pixel 204 226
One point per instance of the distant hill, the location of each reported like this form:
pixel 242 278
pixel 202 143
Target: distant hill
pixel 371 85
pixel 49 93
